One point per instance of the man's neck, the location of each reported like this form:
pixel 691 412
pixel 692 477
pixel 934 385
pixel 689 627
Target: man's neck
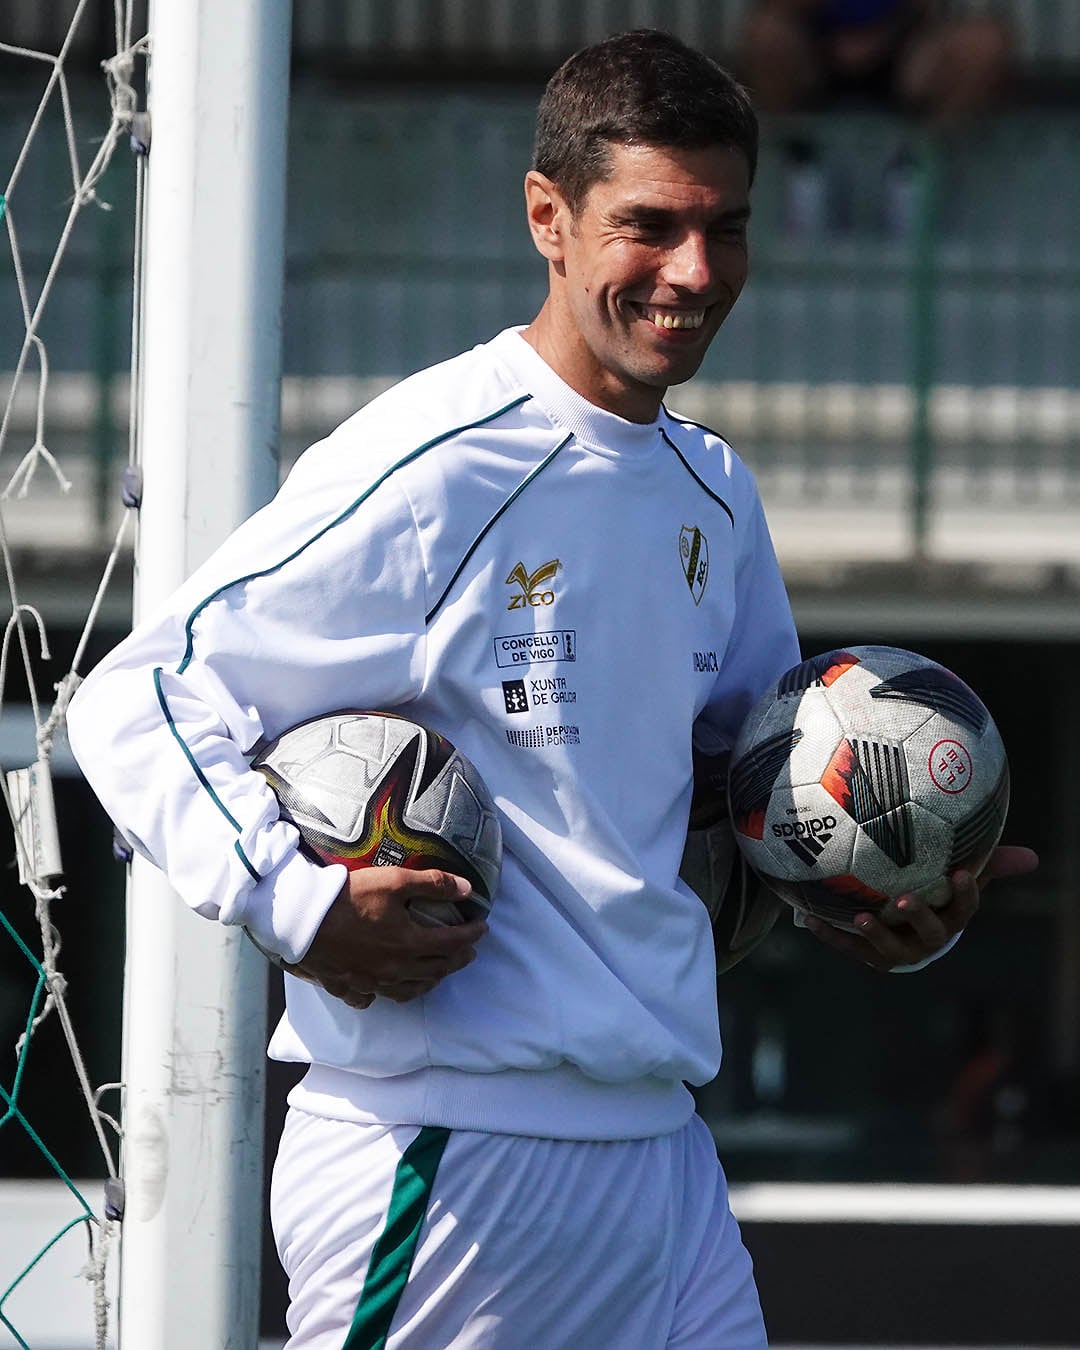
pixel 634 403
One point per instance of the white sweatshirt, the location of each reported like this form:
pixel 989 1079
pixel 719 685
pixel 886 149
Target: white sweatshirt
pixel 567 596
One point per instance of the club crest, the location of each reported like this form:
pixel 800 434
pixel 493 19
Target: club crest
pixel 694 558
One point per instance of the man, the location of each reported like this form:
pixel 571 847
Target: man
pixel 494 1145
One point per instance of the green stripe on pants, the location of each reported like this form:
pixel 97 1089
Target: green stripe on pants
pixel 392 1256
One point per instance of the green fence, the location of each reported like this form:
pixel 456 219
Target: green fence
pixel 913 313
pixel 912 321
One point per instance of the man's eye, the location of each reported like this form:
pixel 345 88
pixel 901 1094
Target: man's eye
pixel 729 232
pixel 648 229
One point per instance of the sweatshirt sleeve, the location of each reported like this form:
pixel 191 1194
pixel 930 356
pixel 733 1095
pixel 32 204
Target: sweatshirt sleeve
pixel 762 643
pixel 316 603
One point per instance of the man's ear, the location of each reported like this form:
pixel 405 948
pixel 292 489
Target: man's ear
pixel 548 215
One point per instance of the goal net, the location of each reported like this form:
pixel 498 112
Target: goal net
pixel 60 140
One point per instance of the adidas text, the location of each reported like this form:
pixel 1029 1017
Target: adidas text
pixel 799 829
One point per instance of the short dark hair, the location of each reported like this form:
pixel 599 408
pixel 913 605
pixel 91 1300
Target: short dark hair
pixel 645 88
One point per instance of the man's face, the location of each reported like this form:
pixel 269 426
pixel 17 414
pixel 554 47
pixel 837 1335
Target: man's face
pixel 645 273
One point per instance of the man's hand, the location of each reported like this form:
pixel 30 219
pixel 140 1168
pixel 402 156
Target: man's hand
pixel 367 944
pixel 925 930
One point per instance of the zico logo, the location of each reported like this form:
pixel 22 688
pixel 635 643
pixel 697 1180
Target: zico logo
pixel 531 584
pixel 806 838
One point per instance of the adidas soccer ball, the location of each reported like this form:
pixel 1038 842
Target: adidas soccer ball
pixel 863 775
pixel 372 789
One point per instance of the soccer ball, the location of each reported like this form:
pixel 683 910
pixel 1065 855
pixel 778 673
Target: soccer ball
pixel 371 789
pixel 866 774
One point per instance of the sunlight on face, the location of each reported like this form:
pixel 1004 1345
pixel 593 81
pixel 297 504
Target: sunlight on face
pixel 646 273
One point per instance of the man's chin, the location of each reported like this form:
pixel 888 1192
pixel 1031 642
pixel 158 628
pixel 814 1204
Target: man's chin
pixel 668 373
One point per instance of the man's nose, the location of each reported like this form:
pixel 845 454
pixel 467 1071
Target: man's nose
pixel 688 265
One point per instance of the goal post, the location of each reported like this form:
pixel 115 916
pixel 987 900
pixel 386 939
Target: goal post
pixel 208 411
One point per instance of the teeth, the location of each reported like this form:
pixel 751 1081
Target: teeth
pixel 682 319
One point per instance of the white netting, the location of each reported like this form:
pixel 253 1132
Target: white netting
pixel 27 791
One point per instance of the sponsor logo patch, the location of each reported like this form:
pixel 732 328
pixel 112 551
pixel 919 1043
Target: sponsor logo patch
pixel 539 738
pixel 532 739
pixel 533 589
pixel 514 696
pixel 550 689
pixel 522 649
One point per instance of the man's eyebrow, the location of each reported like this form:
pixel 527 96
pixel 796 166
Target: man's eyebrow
pixel 643 214
pixel 733 215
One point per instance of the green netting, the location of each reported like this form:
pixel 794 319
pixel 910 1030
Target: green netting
pixel 13 1116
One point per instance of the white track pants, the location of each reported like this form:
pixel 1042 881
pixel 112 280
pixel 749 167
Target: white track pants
pixel 425 1239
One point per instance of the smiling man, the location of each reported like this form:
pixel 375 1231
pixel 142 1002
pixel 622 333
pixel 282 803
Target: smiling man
pixel 643 271
pixel 639 200
pixel 524 549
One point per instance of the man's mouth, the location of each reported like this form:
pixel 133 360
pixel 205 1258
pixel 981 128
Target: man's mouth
pixel 673 318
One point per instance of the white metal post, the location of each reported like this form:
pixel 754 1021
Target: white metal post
pixel 195 993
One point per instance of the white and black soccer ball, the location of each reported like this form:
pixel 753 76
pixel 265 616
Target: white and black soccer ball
pixel 371 789
pixel 865 774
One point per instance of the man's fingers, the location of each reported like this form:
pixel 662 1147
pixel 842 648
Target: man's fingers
pixel 927 923
pixel 408 883
pixel 882 945
pixel 964 902
pixel 891 946
pixel 300 971
pixel 1009 860
pixel 924 930
pixel 840 940
pixel 936 926
pixel 438 883
pixel 427 967
pixel 368 945
pixel 385 894
pixel 442 941
pixel 409 989
pixel 430 966
pixel 445 963
pixel 402 992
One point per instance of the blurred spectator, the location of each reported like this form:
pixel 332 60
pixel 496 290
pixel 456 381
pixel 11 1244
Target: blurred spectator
pixel 917 56
pixel 983 1116
pixel 923 58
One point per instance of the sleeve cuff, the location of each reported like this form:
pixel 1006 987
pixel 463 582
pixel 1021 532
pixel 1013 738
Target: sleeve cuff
pixel 286 907
pixel 800 922
pixel 928 960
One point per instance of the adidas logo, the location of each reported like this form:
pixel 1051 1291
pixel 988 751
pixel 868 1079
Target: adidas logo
pixel 806 838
